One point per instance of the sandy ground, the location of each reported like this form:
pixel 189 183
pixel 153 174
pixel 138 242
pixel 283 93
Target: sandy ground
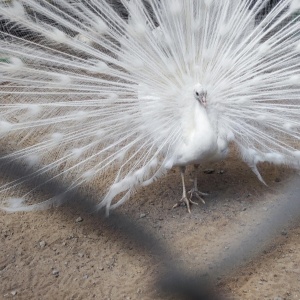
pixel 66 253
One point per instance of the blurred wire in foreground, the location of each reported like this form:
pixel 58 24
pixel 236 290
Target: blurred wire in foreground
pixel 173 279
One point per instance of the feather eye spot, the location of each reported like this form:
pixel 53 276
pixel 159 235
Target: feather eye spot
pixel 288 126
pixel 176 8
pixel 297 47
pixel 57 36
pixel 138 29
pixel 100 133
pixel 263 48
pixel 57 137
pixel 13 64
pixel 297 154
pixel 63 80
pixel 77 153
pixel 89 174
pixel 32 160
pixel 294 6
pixel 83 39
pixel 34 109
pixel 80 115
pixel 5 127
pixel 100 67
pixel 101 27
pixel 113 97
pixel 295 79
pixel 224 29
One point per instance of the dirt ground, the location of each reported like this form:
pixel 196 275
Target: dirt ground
pixel 65 253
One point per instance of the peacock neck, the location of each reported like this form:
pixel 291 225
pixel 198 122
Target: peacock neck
pixel 199 140
pixel 196 123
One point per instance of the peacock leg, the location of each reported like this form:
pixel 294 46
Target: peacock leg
pixel 194 191
pixel 184 198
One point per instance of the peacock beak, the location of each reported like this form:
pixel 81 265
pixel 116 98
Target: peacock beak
pixel 204 101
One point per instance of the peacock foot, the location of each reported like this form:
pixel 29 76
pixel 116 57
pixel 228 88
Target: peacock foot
pixel 195 192
pixel 187 202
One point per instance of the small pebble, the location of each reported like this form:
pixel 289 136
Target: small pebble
pixel 142 216
pixel 14 293
pixel 78 220
pixel 80 254
pixel 55 273
pixel 43 244
pixel 209 171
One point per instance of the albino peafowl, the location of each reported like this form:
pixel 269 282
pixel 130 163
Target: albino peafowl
pixel 93 97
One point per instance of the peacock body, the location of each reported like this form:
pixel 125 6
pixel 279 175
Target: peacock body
pixel 90 96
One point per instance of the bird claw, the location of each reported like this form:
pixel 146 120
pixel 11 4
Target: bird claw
pixel 186 201
pixel 197 194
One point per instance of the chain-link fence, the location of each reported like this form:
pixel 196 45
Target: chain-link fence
pixel 173 279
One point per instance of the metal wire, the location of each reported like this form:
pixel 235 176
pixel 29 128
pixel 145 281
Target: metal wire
pixel 173 279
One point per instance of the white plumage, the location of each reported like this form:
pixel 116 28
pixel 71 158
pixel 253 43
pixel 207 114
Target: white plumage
pixel 91 98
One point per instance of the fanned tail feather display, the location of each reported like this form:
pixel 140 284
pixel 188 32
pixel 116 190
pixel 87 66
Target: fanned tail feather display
pixel 89 97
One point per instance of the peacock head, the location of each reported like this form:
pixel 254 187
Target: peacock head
pixel 200 94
